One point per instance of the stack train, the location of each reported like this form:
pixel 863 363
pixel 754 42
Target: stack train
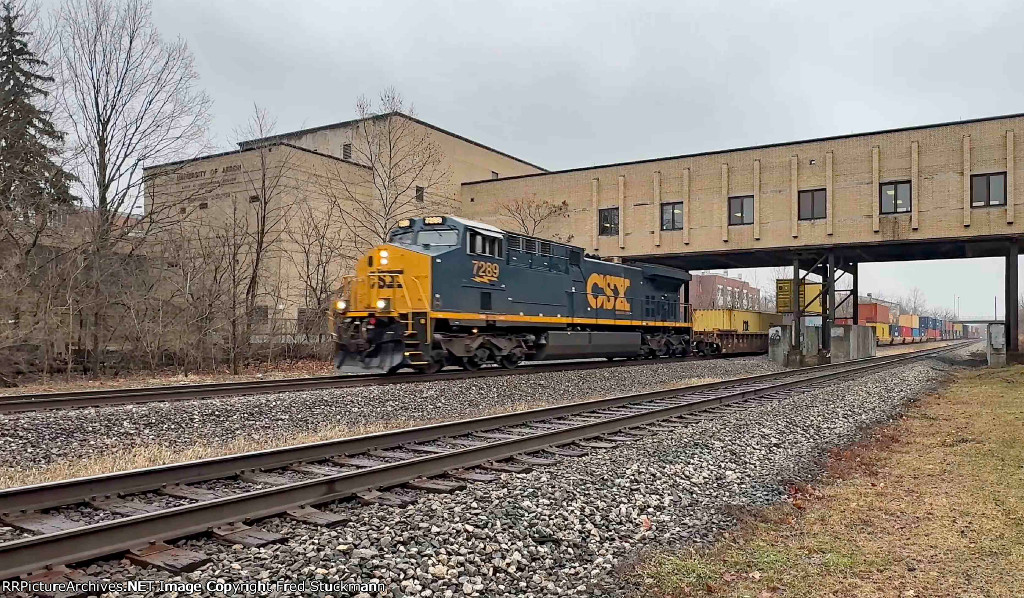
pixel 449 291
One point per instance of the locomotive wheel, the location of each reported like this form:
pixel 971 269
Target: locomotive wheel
pixel 469 363
pixel 433 366
pixel 509 361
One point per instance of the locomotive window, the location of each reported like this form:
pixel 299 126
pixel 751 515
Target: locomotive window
pixel 480 244
pixel 403 238
pixel 438 237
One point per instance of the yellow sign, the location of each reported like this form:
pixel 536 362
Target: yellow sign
pixel 808 290
pixel 605 291
pixel 485 272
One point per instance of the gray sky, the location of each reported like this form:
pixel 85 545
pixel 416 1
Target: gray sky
pixel 567 84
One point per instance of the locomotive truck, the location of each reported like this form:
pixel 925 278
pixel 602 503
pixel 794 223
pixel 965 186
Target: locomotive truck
pixel 448 291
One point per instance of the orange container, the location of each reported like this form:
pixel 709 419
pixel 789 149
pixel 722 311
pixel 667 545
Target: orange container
pixel 873 312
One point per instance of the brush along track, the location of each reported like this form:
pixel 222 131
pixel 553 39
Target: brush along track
pixel 184 392
pixel 296 477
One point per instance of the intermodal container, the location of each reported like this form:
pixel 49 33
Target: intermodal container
pixel 906 332
pixel 894 330
pixel 844 321
pixel 910 320
pixel 881 331
pixel 706 320
pixel 869 313
pixel 917 333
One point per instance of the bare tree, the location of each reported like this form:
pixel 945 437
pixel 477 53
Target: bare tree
pixel 403 172
pixel 318 254
pixel 914 301
pixel 129 98
pixel 531 215
pixel 268 186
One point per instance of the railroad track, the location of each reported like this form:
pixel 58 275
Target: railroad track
pixel 184 392
pixel 292 480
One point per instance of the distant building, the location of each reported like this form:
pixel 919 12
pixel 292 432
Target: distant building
pixel 714 291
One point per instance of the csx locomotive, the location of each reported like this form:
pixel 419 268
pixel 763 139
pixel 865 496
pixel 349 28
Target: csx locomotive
pixel 449 291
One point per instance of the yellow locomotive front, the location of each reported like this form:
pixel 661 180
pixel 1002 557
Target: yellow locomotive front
pixel 380 321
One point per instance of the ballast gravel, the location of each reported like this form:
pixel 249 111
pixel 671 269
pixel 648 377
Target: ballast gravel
pixel 573 528
pixel 37 439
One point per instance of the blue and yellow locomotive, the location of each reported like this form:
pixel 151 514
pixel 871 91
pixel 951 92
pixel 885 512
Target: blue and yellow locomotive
pixel 449 291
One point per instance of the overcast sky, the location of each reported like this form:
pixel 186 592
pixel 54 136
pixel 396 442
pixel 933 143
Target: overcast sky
pixel 567 84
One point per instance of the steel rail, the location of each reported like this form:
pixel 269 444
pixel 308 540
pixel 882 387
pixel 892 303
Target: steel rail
pixel 52 494
pixel 16 403
pixel 97 540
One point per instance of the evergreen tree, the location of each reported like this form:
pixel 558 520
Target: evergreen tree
pixel 32 184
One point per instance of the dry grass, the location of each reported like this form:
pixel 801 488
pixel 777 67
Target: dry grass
pixel 931 507
pixel 300 368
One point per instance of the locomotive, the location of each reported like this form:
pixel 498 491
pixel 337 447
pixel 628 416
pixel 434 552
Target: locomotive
pixel 449 291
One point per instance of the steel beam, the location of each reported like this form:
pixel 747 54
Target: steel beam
pixel 1012 308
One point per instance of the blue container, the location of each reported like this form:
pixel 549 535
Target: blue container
pixel 917 333
pixel 894 330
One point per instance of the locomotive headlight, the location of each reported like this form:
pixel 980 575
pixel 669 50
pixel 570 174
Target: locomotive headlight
pixel 381 304
pixel 383 252
pixel 341 305
pixel 384 261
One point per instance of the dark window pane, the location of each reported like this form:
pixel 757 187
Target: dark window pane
pixel 735 211
pixel 979 191
pixel 748 210
pixel 677 216
pixel 997 189
pixel 806 210
pixel 820 203
pixel 903 197
pixel 888 199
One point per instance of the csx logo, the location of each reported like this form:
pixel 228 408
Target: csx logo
pixel 605 291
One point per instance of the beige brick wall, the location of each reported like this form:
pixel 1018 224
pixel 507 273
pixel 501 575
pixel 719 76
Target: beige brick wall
pixel 933 158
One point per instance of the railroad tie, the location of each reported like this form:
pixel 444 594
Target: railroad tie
pixel 313 516
pixel 472 476
pixel 387 499
pixel 123 507
pixel 316 469
pixel 506 467
pixel 426 448
pixel 597 444
pixel 40 523
pixel 433 486
pixel 534 461
pixel 190 492
pixel 563 451
pixel 357 461
pixel 250 537
pixel 59 575
pixel 265 478
pixel 394 454
pixel 166 557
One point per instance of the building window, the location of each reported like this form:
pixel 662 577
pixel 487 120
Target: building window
pixel 419 194
pixel 494 175
pixel 895 198
pixel 672 216
pixel 812 204
pixel 203 205
pixel 346 151
pixel 260 314
pixel 608 222
pixel 988 190
pixel 741 210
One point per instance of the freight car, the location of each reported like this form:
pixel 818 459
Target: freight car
pixel 449 291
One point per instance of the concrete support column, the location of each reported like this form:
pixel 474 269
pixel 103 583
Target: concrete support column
pixel 594 209
pixel 797 307
pixel 829 303
pixel 1012 343
pixel 855 291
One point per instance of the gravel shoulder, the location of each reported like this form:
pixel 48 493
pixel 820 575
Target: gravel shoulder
pixel 577 528
pixel 42 446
